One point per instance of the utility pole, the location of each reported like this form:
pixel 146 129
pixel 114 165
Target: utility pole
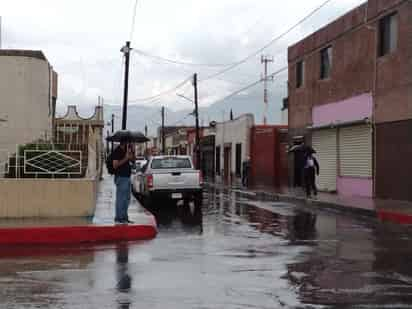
pixel 107 143
pixel 198 165
pixel 145 134
pixel 126 51
pixel 265 60
pixel 112 129
pixel 163 131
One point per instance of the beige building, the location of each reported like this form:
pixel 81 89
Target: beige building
pixel 48 167
pixel 232 142
pixel 28 92
pixel 85 134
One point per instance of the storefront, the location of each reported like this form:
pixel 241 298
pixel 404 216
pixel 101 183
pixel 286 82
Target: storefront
pixel 345 157
pixel 342 136
pixel 325 143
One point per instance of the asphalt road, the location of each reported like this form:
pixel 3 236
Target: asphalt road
pixel 237 252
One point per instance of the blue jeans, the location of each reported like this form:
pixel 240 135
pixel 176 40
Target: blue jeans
pixel 123 189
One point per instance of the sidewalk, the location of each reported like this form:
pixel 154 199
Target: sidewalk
pixel 386 210
pixel 100 228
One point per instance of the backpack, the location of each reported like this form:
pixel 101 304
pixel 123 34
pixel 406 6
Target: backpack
pixel 109 164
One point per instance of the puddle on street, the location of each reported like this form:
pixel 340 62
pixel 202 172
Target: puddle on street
pixel 235 252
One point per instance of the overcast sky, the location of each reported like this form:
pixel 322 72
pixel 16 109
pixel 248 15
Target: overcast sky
pixel 82 41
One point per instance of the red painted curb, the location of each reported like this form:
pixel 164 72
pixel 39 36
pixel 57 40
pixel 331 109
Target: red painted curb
pixel 75 234
pixel 395 217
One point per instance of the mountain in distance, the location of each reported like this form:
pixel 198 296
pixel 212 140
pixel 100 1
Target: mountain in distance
pixel 140 115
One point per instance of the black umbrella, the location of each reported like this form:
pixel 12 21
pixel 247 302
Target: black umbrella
pixel 127 136
pixel 303 148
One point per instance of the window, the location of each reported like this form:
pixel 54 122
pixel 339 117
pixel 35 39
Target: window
pixel 300 73
pixel 388 34
pixel 325 62
pixel 238 160
pixel 218 160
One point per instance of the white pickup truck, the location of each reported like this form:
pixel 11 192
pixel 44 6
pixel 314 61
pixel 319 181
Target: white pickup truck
pixel 168 179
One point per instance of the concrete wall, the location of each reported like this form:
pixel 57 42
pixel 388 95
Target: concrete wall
pixel 28 198
pixel 237 131
pixel 25 100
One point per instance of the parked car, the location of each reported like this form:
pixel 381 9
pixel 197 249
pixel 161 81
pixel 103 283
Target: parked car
pixel 139 163
pixel 167 179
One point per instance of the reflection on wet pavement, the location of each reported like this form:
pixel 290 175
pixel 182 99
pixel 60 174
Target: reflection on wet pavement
pixel 235 252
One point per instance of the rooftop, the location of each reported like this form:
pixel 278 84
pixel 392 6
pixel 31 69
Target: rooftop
pixel 38 54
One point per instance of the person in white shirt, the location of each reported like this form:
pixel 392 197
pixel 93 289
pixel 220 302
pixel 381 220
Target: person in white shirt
pixel 311 169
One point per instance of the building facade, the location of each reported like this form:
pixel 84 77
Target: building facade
pixel 269 158
pixel 28 93
pixel 85 134
pixel 232 147
pixel 350 96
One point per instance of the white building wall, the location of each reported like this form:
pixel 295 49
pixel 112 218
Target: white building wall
pixel 25 102
pixel 237 131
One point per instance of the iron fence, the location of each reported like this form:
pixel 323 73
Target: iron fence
pixel 45 160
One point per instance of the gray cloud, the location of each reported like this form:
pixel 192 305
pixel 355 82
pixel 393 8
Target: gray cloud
pixel 82 40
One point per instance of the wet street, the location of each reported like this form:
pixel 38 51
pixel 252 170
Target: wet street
pixel 238 252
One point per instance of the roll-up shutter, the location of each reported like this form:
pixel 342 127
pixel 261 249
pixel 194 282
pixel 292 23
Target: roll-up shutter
pixel 325 144
pixel 355 151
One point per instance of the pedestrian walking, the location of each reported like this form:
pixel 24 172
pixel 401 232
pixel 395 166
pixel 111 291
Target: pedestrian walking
pixel 245 172
pixel 311 169
pixel 123 157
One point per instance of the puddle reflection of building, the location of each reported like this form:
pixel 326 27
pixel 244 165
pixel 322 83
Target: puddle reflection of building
pixel 123 279
pixel 299 226
pixel 303 226
pixel 339 267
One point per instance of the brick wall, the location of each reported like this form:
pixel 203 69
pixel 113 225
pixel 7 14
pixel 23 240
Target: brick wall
pixel 394 160
pixel 354 44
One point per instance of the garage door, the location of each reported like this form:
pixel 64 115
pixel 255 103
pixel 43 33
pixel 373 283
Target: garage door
pixel 355 151
pixel 325 144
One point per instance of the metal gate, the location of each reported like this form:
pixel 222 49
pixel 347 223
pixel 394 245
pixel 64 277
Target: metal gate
pixel 325 144
pixel 355 151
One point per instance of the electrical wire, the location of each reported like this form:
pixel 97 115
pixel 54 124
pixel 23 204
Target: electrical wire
pixel 277 38
pixel 180 121
pixel 160 94
pixel 133 20
pixel 249 86
pixel 178 62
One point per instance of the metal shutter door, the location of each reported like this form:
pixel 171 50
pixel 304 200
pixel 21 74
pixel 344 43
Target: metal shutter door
pixel 355 151
pixel 325 144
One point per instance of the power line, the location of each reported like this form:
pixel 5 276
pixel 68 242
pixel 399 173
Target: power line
pixel 178 62
pixel 160 94
pixel 133 20
pixel 180 121
pixel 249 86
pixel 268 44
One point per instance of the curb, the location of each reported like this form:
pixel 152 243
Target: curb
pixel 307 203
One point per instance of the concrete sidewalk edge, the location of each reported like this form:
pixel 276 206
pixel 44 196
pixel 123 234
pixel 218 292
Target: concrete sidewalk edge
pixel 302 201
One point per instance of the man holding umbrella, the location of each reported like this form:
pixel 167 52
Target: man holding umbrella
pixel 123 156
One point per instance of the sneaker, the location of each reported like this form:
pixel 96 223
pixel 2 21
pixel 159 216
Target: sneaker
pixel 129 221
pixel 120 221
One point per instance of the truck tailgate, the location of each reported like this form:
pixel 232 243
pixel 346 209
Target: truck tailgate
pixel 175 180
